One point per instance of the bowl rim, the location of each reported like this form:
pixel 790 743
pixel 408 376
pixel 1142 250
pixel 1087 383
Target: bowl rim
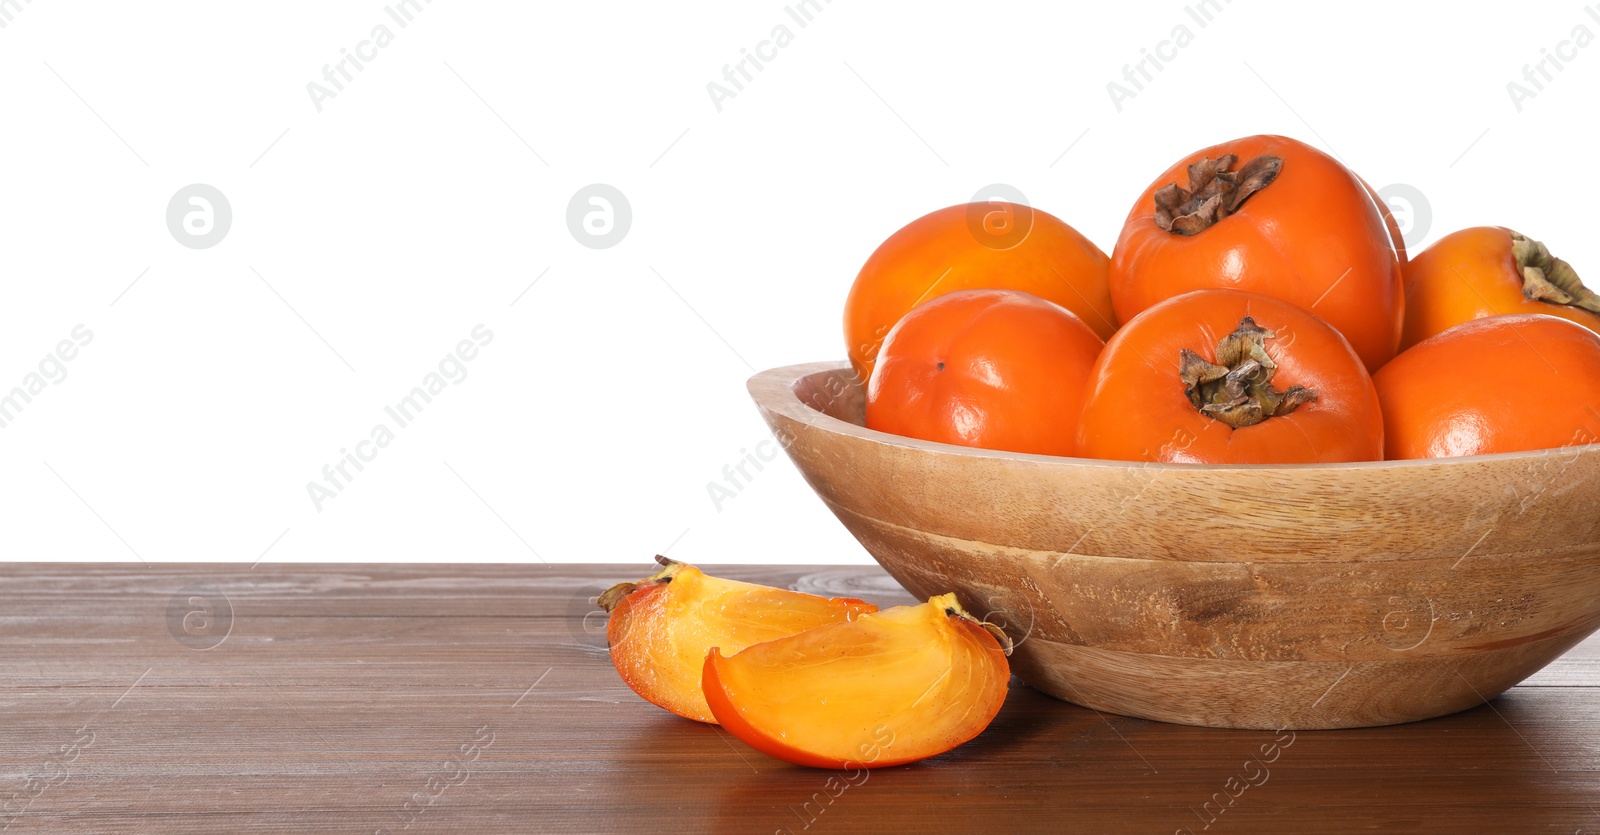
pixel 774 390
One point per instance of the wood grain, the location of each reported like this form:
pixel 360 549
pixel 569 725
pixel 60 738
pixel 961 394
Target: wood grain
pixel 342 690
pixel 1227 596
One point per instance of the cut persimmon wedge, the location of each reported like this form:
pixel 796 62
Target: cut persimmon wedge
pixel 883 689
pixel 662 626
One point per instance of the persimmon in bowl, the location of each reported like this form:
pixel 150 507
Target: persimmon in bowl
pixel 1248 596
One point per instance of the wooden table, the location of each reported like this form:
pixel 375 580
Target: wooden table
pixel 472 698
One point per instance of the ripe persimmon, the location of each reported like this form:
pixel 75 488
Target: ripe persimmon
pixel 993 245
pixel 1224 377
pixel 662 626
pixel 1397 237
pixel 1489 271
pixel 997 369
pixel 1268 215
pixel 1497 384
pixel 884 689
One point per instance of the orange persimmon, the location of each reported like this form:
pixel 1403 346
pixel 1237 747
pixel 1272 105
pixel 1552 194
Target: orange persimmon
pixel 1268 215
pixel 885 689
pixel 662 626
pixel 1224 377
pixel 1496 384
pixel 997 369
pixel 1488 271
pixel 1397 238
pixel 990 245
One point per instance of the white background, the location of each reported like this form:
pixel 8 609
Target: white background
pixel 415 205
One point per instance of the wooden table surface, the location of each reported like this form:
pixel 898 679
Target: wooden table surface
pixel 474 698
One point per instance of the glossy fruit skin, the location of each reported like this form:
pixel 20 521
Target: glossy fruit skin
pixel 659 634
pixel 1497 384
pixel 1315 237
pixel 995 369
pixel 1469 274
pixel 1397 238
pixel 903 685
pixel 950 249
pixel 1137 409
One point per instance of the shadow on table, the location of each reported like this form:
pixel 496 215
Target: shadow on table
pixel 1515 765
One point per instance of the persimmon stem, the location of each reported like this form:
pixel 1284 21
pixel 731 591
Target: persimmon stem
pixel 1547 278
pixel 953 609
pixel 1214 192
pixel 1237 389
pixel 612 597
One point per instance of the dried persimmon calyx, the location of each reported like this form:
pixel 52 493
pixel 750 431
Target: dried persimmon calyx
pixel 1547 278
pixel 1237 389
pixel 1214 192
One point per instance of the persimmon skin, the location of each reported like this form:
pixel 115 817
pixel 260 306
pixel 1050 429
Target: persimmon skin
pixel 660 630
pixel 1137 409
pixel 995 369
pixel 893 683
pixel 1315 236
pixel 940 253
pixel 1469 274
pixel 1496 384
pixel 1397 239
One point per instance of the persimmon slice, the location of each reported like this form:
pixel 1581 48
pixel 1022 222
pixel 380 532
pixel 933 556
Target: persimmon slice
pixel 662 626
pixel 883 689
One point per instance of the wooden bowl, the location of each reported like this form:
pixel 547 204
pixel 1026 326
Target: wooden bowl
pixel 1301 596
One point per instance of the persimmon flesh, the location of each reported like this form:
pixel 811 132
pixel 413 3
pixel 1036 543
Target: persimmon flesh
pixel 884 689
pixel 661 628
